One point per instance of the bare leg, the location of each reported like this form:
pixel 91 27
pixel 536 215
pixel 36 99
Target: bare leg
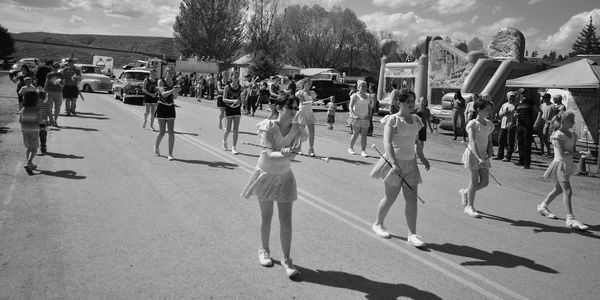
pixel 146 115
pixel 161 132
pixel 410 210
pixel 152 115
pixel 567 192
pixel 553 194
pixel 311 137
pixel 227 129
pixel 285 227
pixel 391 193
pixel 363 138
pixel 236 125
pixel 479 180
pixel 266 214
pixel 221 116
pixel 171 127
pixel 355 133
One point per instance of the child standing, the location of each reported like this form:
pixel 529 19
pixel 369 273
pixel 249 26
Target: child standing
pixel 400 144
pixel 273 180
pixel 425 115
pixel 30 127
pixel 562 167
pixel 44 108
pixel 476 156
pixel 331 108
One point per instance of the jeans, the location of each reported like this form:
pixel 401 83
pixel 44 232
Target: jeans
pixel 524 139
pixel 506 138
pixel 54 100
pixel 70 104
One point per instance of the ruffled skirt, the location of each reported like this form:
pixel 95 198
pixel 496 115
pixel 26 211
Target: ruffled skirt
pixel 271 187
pixel 560 170
pixel 409 171
pixel 471 162
pixel 304 117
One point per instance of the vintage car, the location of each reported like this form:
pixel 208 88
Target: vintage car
pixel 128 87
pixel 92 80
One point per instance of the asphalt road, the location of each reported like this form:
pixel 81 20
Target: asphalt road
pixel 105 219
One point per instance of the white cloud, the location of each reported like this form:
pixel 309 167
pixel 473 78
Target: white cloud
pixel 398 3
pixel 76 19
pixel 447 7
pixel 486 32
pixel 474 19
pixel 532 2
pixel 561 40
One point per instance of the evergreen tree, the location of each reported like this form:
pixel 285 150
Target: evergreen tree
pixel 587 42
pixel 212 28
pixel 7 44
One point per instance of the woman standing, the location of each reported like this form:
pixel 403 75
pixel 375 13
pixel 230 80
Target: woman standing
pixel 360 109
pixel 274 90
pixel 220 104
pixel 165 112
pixel 150 97
pixel 306 117
pixel 458 118
pixel 233 110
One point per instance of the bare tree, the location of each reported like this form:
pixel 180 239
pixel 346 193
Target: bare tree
pixel 265 38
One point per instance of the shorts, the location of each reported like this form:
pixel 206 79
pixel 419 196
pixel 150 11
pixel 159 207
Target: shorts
pixel 31 139
pixel 330 119
pixel 70 91
pixel 360 123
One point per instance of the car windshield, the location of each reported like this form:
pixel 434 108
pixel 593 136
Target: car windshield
pixel 89 69
pixel 135 75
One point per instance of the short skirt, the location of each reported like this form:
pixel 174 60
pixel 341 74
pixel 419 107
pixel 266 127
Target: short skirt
pixel 165 111
pixel 150 99
pixel 360 123
pixel 233 111
pixel 560 170
pixel 471 162
pixel 220 102
pixel 70 91
pixel 409 171
pixel 305 117
pixel 423 134
pixel 271 187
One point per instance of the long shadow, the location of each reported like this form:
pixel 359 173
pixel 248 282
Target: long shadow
pixel 4 130
pixel 67 174
pixel 60 155
pixel 540 227
pixel 372 289
pixel 446 161
pixel 494 258
pixel 247 133
pixel 186 133
pixel 78 128
pixel 350 161
pixel 249 155
pixel 79 115
pixel 90 114
pixel 212 164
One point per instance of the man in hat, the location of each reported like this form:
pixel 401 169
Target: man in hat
pixel 507 128
pixel 70 91
pixel 53 87
pixel 560 107
pixel 543 123
pixel 524 115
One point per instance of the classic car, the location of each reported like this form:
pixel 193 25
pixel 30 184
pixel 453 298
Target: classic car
pixel 92 80
pixel 128 87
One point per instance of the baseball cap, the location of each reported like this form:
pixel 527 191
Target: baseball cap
pixel 511 93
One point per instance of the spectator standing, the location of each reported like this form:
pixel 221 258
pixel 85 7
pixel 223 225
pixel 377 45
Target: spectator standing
pixel 524 115
pixel 20 80
pixel 220 104
pixel 543 123
pixel 361 109
pixel 212 84
pixel 506 138
pixel 41 73
pixel 331 108
pixel 425 114
pixel 53 87
pixel 560 107
pixel 263 94
pixel 44 111
pixel 70 92
pixel 274 90
pixel 458 118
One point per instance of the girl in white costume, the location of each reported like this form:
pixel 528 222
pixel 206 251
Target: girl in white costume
pixel 305 116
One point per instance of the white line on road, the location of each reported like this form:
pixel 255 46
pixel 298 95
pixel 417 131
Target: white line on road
pixel 306 197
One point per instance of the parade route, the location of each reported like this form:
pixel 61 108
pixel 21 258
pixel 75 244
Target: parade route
pixel 104 218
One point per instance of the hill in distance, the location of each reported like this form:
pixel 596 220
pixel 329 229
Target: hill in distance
pixel 123 49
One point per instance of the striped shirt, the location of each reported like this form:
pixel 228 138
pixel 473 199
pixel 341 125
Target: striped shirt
pixel 30 120
pixel 44 108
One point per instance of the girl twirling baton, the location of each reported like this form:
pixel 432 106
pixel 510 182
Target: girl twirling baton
pixel 400 142
pixel 273 180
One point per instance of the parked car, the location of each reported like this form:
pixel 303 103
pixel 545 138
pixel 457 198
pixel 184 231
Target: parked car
pixel 16 67
pixel 128 66
pixel 128 87
pixel 327 88
pixel 92 80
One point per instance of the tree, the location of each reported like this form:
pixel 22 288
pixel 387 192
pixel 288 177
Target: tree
pixel 534 53
pixel 552 57
pixel 475 44
pixel 264 38
pixel 210 28
pixel 7 44
pixel 587 42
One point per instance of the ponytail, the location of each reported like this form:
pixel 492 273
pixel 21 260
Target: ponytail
pixel 478 104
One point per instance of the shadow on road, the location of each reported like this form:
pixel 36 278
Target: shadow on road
pixel 372 289
pixel 60 155
pixel 212 164
pixel 249 155
pixel 445 161
pixel 351 161
pixel 247 133
pixel 79 128
pixel 90 114
pixel 186 133
pixel 67 174
pixel 540 227
pixel 4 130
pixel 494 258
pixel 83 116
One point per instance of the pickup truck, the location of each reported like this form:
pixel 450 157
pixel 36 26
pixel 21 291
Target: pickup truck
pixel 327 88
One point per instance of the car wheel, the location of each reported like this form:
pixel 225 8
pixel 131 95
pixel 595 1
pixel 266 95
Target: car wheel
pixel 87 88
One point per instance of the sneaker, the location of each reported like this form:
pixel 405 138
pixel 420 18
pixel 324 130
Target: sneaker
pixel 351 151
pixel 572 223
pixel 311 152
pixel 415 240
pixel 463 196
pixel 32 166
pixel 43 150
pixel 381 231
pixel 234 151
pixel 170 157
pixel 289 268
pixel 264 258
pixel 225 145
pixel 471 212
pixel 543 210
pixel 364 154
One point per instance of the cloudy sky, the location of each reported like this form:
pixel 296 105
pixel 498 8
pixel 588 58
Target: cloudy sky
pixel 546 24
